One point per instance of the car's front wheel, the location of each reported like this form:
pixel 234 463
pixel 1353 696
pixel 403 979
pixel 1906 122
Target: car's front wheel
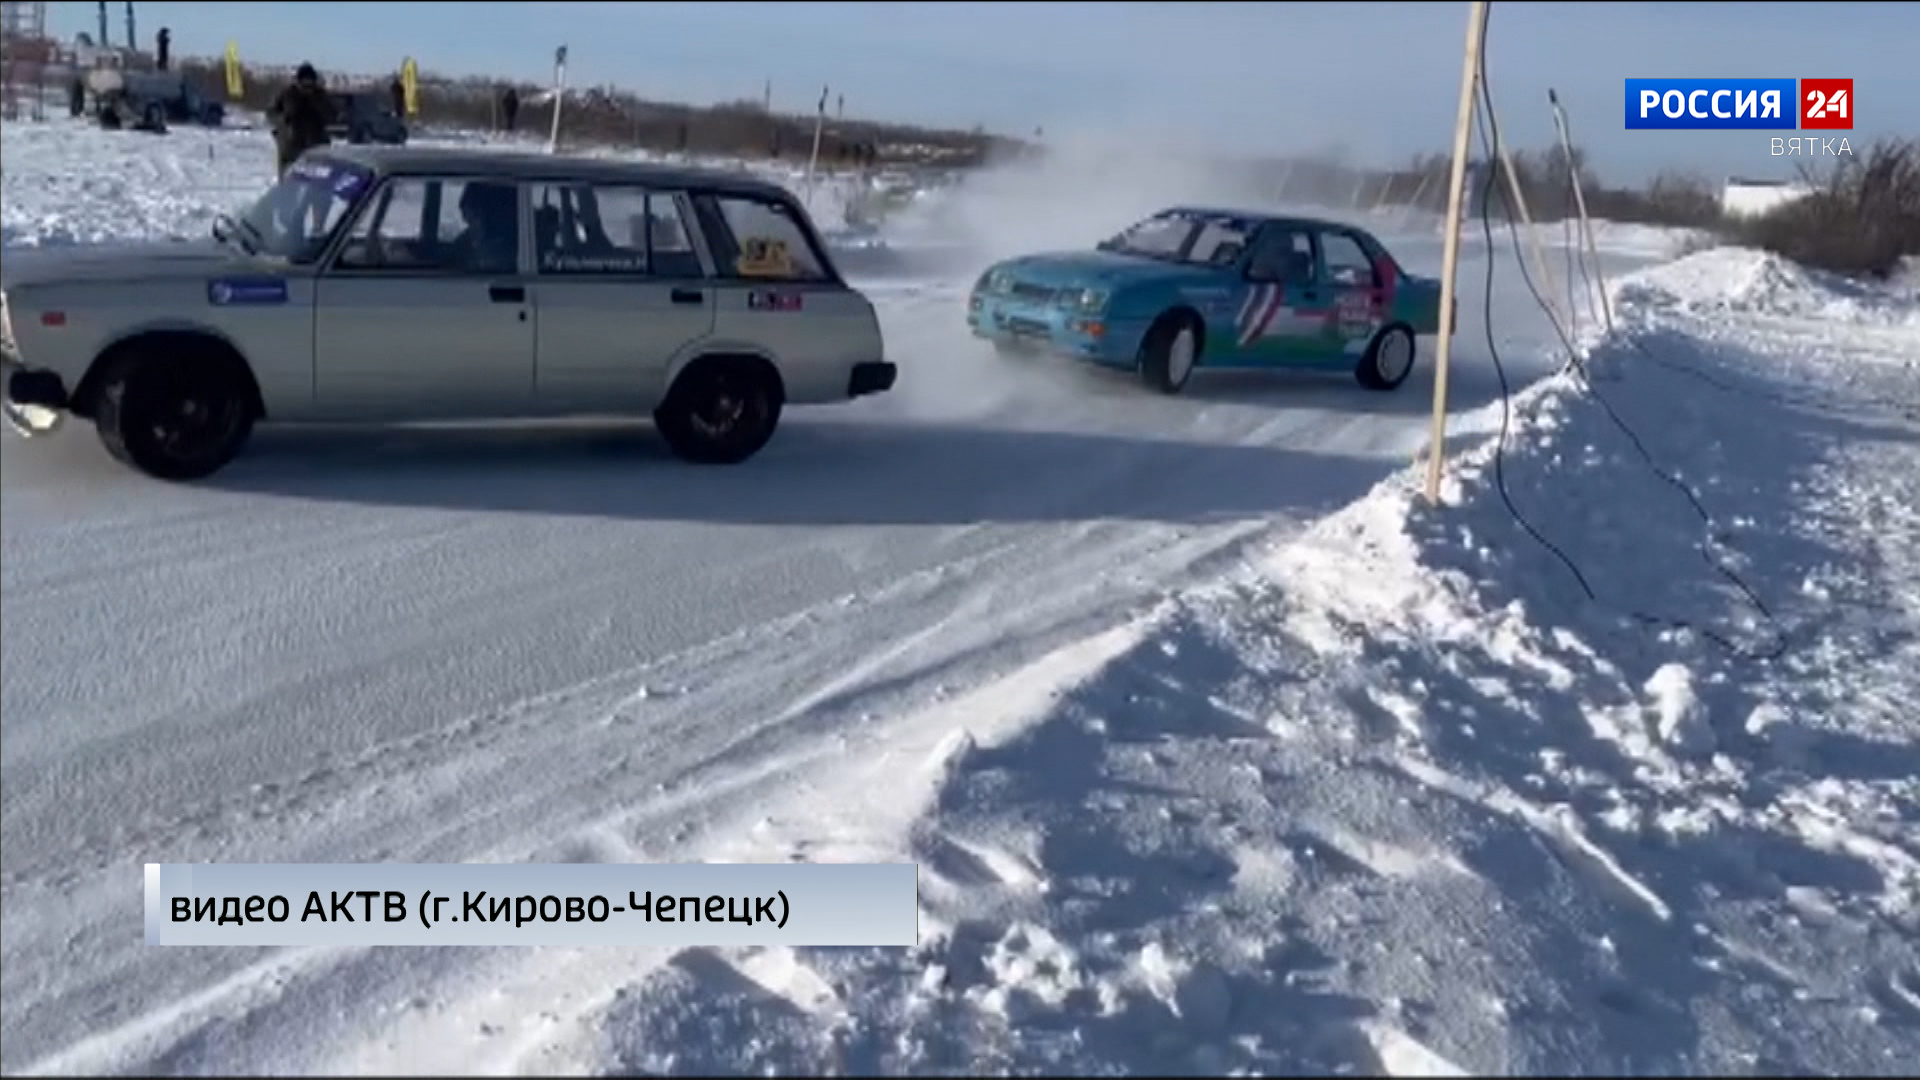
pixel 721 410
pixel 1170 352
pixel 173 419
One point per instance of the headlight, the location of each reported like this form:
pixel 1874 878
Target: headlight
pixel 1091 299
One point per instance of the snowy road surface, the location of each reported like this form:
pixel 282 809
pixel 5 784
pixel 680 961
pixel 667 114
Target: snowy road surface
pixel 553 643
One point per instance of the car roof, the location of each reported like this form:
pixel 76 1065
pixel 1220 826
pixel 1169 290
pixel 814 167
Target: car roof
pixel 430 161
pixel 1262 217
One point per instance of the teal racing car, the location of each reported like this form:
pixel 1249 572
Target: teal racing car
pixel 1189 288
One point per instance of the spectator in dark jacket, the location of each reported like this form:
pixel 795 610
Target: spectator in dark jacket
pixel 510 107
pixel 399 91
pixel 300 116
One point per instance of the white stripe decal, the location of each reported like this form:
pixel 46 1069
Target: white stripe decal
pixel 1264 319
pixel 1255 300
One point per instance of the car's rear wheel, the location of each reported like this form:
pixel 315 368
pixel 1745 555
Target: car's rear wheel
pixel 1388 359
pixel 721 410
pixel 1170 353
pixel 173 419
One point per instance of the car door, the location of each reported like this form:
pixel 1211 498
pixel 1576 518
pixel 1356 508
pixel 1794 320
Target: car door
pixel 1350 275
pixel 424 310
pixel 621 288
pixel 1283 315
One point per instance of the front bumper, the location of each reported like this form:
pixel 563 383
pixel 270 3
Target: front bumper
pixel 1057 330
pixel 872 377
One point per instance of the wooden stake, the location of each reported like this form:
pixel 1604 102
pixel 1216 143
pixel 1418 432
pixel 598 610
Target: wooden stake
pixel 1450 252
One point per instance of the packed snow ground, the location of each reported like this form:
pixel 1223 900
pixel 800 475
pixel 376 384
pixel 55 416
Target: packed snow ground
pixel 1205 783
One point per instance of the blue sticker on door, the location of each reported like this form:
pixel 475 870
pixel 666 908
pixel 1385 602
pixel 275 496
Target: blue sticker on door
pixel 224 292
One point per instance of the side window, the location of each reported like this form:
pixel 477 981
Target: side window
pixel 422 226
pixel 1284 255
pixel 610 229
pixel 763 240
pixel 1347 262
pixel 1219 244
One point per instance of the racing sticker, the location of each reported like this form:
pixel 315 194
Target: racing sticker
pixel 1264 314
pixel 769 300
pixel 619 262
pixel 346 181
pixel 1354 315
pixel 234 292
pixel 760 257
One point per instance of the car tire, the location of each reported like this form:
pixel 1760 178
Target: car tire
pixel 721 410
pixel 154 119
pixel 173 419
pixel 1388 359
pixel 1170 353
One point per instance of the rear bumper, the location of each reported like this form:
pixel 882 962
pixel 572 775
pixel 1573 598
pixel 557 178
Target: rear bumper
pixel 872 377
pixel 36 401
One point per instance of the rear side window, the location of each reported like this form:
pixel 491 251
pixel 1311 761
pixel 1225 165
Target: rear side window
pixel 761 239
pixel 598 230
pixel 1346 261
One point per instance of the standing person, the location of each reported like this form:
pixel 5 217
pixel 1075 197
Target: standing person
pixel 162 48
pixel 510 107
pixel 300 113
pixel 398 90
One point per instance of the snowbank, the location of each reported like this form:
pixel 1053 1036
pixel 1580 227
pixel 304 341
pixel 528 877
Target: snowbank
pixel 1401 799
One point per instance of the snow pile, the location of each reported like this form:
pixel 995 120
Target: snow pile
pixel 1731 280
pixel 1403 800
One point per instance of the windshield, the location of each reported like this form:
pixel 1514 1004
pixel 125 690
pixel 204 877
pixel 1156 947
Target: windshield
pixel 297 216
pixel 1185 236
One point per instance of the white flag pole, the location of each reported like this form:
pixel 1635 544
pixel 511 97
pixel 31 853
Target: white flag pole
pixel 813 159
pixel 559 96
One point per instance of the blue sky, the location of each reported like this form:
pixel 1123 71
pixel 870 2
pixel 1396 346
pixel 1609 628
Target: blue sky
pixel 1374 82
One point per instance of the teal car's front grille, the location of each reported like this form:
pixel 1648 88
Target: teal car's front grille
pixel 1028 293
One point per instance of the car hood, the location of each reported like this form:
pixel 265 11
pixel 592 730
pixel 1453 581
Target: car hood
pixel 146 261
pixel 1096 269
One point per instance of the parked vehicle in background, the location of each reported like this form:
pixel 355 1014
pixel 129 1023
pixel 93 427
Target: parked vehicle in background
pixel 150 100
pixel 366 116
pixel 388 284
pixel 1189 288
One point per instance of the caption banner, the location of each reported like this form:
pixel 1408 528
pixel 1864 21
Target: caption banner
pixel 572 904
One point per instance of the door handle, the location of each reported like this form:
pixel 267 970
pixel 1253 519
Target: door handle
pixel 688 296
pixel 507 294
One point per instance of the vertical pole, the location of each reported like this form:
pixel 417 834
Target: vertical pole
pixel 1580 205
pixel 559 96
pixel 1450 251
pixel 1550 287
pixel 819 129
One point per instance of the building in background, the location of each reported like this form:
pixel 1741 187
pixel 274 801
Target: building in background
pixel 27 56
pixel 1751 198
